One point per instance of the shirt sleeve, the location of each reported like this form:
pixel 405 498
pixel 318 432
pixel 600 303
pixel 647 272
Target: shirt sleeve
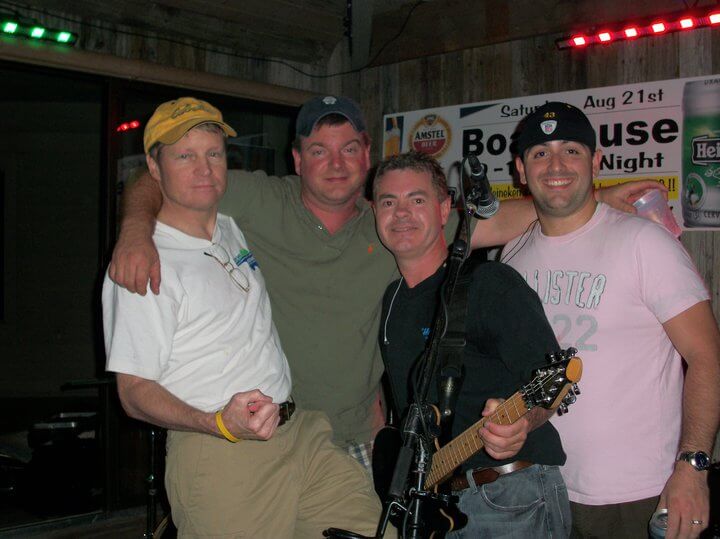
pixel 139 330
pixel 242 192
pixel 669 281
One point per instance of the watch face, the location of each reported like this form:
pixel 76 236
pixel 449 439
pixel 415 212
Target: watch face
pixel 702 461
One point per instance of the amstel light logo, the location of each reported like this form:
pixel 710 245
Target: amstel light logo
pixel 431 135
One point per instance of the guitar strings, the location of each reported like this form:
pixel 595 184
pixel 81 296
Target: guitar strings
pixel 453 447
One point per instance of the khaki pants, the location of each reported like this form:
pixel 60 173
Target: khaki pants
pixel 293 486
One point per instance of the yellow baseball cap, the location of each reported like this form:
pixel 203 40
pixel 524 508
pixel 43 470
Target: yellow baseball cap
pixel 173 119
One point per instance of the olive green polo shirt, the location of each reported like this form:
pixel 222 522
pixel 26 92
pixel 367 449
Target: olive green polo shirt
pixel 325 290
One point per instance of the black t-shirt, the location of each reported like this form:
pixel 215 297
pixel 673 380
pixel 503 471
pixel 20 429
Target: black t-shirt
pixel 507 335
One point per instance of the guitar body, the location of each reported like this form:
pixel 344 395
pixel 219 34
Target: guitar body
pixel 551 386
pixel 440 519
pixel 437 519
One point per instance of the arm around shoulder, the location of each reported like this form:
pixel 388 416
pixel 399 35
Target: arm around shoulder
pixel 622 196
pixel 511 220
pixel 135 259
pixel 515 215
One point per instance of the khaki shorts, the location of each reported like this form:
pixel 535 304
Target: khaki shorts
pixel 294 485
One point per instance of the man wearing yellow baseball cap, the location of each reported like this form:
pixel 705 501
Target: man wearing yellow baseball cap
pixel 203 360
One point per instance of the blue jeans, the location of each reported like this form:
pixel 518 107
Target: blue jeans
pixel 528 503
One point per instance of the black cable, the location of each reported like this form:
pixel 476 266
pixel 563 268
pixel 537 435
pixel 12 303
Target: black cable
pixel 518 246
pixel 218 51
pixel 402 29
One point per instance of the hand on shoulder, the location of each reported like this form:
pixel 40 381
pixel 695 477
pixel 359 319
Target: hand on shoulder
pixel 622 196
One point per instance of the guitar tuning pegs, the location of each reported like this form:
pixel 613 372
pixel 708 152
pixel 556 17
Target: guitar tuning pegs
pixel 552 357
pixel 562 409
pixel 570 398
pixel 576 389
pixel 570 352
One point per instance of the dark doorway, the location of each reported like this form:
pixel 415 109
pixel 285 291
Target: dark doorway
pixel 65 445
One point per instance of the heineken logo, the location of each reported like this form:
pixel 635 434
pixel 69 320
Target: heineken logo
pixel 705 150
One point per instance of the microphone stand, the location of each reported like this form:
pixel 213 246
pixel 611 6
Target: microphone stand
pixel 418 435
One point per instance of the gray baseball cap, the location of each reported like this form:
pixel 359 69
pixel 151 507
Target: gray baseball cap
pixel 319 107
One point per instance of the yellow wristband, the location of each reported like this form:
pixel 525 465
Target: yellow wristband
pixel 225 432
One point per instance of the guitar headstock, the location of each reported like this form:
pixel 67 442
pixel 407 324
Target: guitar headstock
pixel 555 385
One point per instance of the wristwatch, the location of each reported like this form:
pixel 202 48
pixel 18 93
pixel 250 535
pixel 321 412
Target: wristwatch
pixel 697 459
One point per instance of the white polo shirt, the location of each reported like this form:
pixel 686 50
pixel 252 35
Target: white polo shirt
pixel 203 338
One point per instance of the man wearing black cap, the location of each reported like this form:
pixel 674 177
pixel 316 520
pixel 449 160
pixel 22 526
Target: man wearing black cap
pixel 314 237
pixel 624 292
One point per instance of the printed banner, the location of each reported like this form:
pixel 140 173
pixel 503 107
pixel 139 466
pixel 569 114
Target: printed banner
pixel 667 131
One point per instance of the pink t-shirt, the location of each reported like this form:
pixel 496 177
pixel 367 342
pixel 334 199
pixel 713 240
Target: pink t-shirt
pixel 607 288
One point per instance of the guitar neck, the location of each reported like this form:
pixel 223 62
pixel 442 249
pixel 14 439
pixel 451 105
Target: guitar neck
pixel 467 444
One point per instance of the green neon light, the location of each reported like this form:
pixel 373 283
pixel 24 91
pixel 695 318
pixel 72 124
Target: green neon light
pixel 37 32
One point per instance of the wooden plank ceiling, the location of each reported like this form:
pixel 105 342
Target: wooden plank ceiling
pixel 309 30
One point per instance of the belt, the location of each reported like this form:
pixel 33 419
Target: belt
pixel 287 409
pixel 482 476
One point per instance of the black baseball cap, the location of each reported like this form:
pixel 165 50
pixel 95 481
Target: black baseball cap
pixel 555 121
pixel 319 107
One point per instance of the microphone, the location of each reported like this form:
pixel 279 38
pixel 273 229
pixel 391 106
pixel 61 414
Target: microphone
pixel 481 201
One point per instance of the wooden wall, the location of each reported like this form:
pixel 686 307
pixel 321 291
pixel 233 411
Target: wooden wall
pixel 511 69
pixel 126 42
pixel 534 66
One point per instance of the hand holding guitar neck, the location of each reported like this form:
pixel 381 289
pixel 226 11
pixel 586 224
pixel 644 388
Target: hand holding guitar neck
pixel 551 387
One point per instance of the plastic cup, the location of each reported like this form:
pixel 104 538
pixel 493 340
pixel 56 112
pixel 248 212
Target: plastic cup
pixel 652 205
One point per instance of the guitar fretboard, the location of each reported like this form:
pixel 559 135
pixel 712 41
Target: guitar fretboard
pixel 460 449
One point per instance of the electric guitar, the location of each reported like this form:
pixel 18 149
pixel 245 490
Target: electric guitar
pixel 552 387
